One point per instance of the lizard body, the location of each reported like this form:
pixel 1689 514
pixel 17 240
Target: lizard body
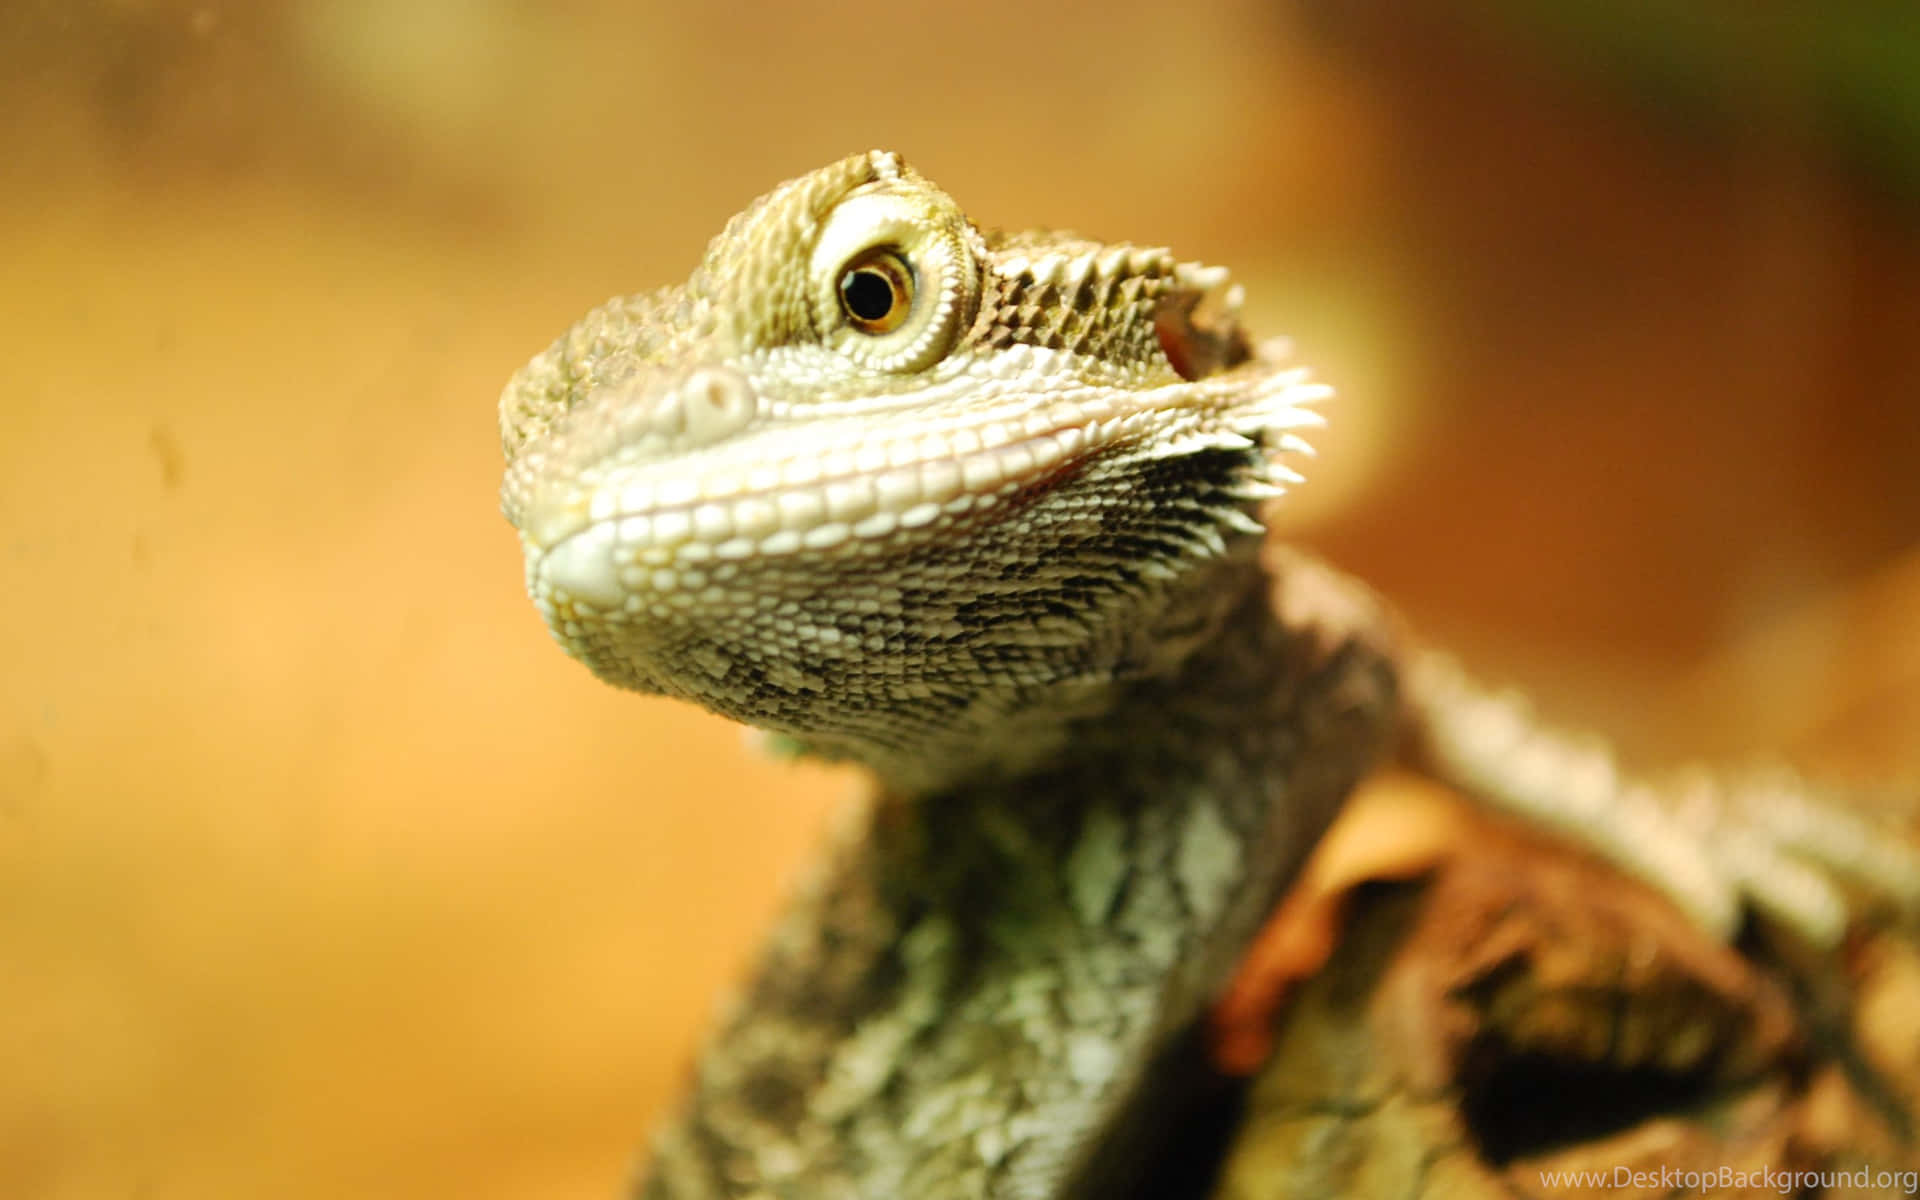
pixel 980 511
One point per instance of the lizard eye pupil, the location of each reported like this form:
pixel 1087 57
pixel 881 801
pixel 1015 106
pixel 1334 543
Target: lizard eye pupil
pixel 876 292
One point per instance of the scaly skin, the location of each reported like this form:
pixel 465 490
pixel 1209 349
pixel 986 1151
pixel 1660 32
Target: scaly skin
pixel 981 511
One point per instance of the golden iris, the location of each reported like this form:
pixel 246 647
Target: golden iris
pixel 876 291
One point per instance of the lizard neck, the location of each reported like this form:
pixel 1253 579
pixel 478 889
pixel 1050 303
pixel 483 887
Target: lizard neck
pixel 993 971
pixel 1144 693
pixel 1190 784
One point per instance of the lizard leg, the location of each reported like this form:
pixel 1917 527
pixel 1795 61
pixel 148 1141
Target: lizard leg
pixel 1713 842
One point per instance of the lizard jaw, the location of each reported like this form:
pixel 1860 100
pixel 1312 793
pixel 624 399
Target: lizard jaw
pixel 652 540
pixel 655 507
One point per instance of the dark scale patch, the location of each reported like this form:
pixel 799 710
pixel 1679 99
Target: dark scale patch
pixel 1218 467
pixel 1063 609
pixel 1172 542
pixel 1131 546
pixel 1086 584
pixel 1081 593
pixel 749 675
pixel 984 613
pixel 771 1093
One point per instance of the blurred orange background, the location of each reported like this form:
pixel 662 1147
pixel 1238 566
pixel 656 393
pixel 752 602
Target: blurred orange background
pixel 322 873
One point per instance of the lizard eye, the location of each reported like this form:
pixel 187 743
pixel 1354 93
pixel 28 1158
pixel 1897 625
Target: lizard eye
pixel 876 291
pixel 894 276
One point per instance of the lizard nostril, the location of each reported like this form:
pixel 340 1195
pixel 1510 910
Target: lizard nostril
pixel 715 402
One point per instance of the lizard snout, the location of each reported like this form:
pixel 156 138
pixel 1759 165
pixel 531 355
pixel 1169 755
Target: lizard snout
pixel 648 415
pixel 687 411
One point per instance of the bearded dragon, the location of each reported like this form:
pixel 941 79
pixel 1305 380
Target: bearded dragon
pixel 981 511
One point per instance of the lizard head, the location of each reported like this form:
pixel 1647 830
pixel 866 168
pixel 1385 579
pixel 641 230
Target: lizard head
pixel 906 491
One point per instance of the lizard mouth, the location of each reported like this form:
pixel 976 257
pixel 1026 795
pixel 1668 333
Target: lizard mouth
pixel 659 547
pixel 655 518
pixel 644 531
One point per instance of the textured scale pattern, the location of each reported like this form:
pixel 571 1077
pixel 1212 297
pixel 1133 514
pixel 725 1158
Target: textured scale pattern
pixel 718 503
